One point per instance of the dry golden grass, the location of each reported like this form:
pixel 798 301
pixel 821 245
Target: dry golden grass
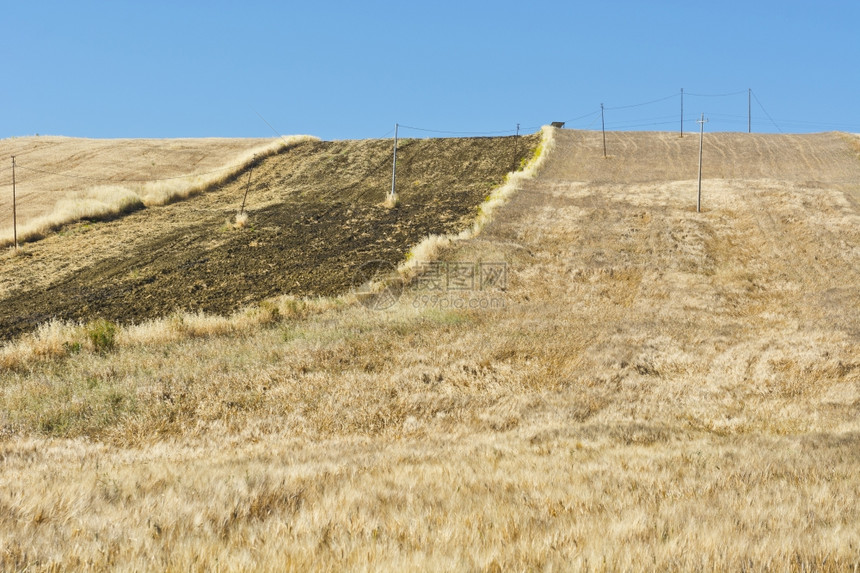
pixel 428 249
pixel 662 390
pixel 62 180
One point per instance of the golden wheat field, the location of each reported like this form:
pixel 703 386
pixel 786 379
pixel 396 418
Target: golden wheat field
pixel 60 180
pixel 639 387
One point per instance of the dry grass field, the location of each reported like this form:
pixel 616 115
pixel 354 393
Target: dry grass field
pixel 648 388
pixel 64 179
pixel 313 215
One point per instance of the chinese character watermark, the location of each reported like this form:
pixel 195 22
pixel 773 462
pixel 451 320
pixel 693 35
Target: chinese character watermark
pixel 437 284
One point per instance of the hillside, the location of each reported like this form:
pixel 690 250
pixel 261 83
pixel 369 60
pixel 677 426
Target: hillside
pixel 51 168
pixel 315 216
pixel 647 388
pixel 637 157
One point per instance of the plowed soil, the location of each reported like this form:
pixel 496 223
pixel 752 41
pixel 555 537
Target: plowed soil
pixel 315 216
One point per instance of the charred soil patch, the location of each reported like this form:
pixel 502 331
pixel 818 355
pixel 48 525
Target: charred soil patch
pixel 315 216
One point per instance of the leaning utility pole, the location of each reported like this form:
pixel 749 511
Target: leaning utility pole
pixel 603 123
pixel 14 208
pixel 247 185
pixel 701 122
pixel 394 166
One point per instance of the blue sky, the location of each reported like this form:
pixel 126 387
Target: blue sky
pixel 352 69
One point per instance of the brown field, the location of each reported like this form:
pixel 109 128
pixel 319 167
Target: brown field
pixel 83 163
pixel 315 215
pixel 650 388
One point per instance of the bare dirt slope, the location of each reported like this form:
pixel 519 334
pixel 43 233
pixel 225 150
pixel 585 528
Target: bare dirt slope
pixel 661 389
pixel 315 217
pixel 50 167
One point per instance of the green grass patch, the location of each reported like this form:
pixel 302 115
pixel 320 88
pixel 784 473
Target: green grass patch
pixel 102 334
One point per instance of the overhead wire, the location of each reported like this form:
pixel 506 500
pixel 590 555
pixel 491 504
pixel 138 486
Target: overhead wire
pixel 595 112
pixel 508 131
pixel 35 149
pixel 593 115
pixel 716 95
pixel 765 111
pixel 626 126
pixel 643 103
pixel 386 134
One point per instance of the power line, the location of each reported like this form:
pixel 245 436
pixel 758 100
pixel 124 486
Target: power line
pixel 656 117
pixel 643 103
pixel 509 131
pixel 592 113
pixel 593 123
pixel 629 125
pixel 717 95
pixel 35 149
pixel 765 111
pixel 270 125
pixel 730 115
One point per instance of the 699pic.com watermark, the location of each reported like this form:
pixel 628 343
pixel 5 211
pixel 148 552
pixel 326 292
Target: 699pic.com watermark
pixel 460 285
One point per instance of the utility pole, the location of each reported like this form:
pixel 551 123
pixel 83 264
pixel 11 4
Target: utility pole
pixel 749 110
pixel 247 185
pixel 682 112
pixel 14 208
pixel 516 147
pixel 603 123
pixel 394 166
pixel 701 122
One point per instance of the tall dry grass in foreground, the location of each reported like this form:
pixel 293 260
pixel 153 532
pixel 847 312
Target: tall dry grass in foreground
pixel 106 201
pixel 662 390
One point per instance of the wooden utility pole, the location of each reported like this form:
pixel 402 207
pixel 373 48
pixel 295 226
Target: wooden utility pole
pixel 14 208
pixel 682 112
pixel 701 122
pixel 247 187
pixel 603 124
pixel 394 166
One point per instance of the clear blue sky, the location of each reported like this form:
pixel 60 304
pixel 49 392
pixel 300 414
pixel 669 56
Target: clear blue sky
pixel 352 69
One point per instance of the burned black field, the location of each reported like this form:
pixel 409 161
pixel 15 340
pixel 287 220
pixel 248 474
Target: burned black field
pixel 315 216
